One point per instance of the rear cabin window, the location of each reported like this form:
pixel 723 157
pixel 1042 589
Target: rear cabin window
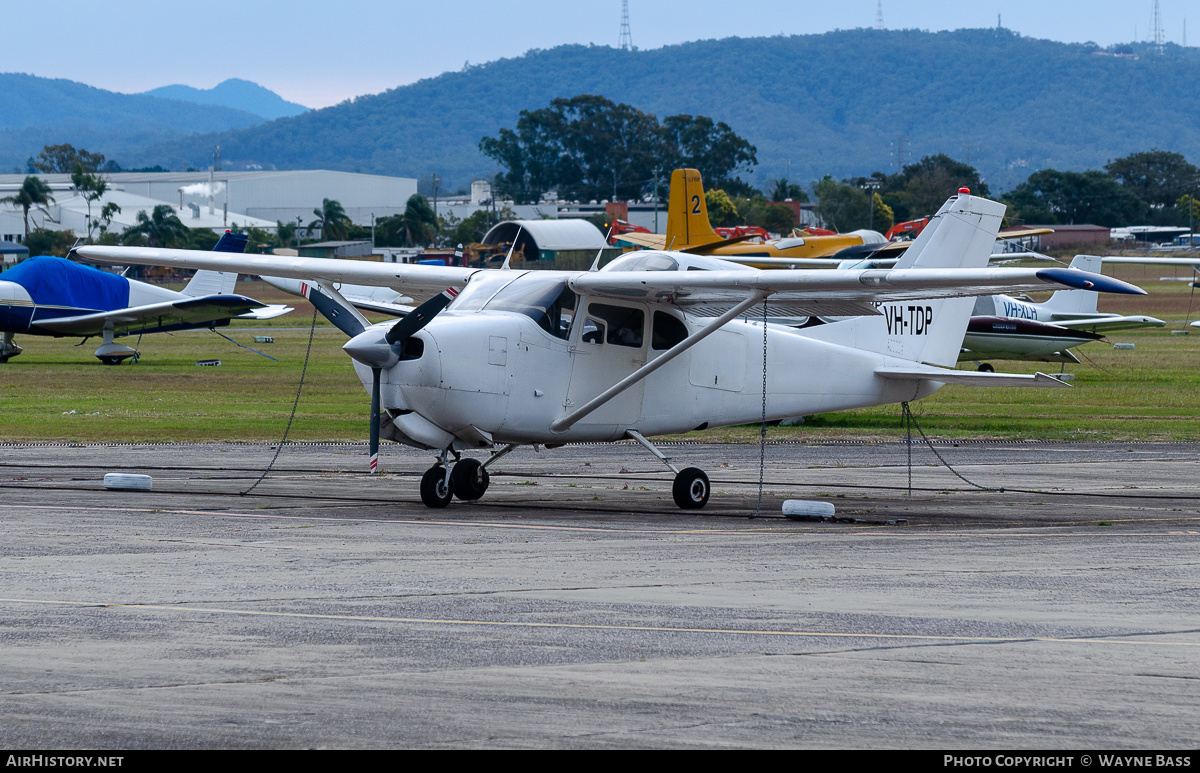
pixel 668 331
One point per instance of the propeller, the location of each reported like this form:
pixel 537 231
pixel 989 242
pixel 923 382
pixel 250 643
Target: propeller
pixel 419 317
pixel 366 347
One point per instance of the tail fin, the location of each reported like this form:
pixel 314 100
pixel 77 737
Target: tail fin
pixel 687 212
pixel 1077 301
pixel 960 235
pixel 217 282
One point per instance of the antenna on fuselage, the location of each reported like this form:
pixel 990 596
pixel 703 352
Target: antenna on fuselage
pixel 600 252
pixel 508 258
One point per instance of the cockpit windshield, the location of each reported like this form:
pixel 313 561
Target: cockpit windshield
pixel 544 298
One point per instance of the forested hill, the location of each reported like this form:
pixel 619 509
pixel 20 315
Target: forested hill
pixel 836 103
pixel 44 111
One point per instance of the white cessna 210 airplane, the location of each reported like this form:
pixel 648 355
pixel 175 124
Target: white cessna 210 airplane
pixel 649 345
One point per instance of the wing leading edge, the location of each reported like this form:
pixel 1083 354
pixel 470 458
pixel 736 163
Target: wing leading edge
pixel 157 317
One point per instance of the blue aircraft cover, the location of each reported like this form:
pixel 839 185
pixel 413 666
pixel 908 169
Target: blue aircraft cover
pixel 59 282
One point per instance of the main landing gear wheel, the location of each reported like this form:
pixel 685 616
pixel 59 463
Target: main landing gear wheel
pixel 111 360
pixel 986 368
pixel 469 480
pixel 435 490
pixel 691 489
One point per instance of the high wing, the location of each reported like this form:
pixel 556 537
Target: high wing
pixel 711 247
pixel 1154 261
pixel 836 292
pixel 1020 233
pixel 419 282
pixel 155 317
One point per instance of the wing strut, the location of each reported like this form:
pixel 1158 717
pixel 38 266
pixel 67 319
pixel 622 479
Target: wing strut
pixel 565 422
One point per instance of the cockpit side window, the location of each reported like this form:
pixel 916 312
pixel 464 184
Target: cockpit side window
pixel 625 324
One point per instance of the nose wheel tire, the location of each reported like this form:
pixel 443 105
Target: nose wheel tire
pixel 690 489
pixel 469 480
pixel 435 490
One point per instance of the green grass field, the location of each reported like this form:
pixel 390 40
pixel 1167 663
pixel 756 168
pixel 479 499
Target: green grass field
pixel 57 391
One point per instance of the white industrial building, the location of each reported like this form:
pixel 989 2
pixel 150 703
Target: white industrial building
pixel 69 211
pixel 265 197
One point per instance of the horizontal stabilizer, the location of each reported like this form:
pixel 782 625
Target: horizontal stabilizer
pixel 270 311
pixel 1107 324
pixel 968 378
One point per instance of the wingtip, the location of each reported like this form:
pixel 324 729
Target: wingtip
pixel 1084 280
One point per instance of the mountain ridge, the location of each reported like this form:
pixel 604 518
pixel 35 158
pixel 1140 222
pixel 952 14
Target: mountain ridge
pixel 235 93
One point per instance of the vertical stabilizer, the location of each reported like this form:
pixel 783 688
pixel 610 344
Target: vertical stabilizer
pixel 1077 301
pixel 687 212
pixel 217 282
pixel 960 235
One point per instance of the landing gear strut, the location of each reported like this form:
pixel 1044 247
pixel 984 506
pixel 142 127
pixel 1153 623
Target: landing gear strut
pixel 468 479
pixel 435 483
pixel 690 489
pixel 113 354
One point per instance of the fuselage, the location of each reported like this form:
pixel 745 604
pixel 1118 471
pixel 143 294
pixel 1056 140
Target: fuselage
pixel 506 361
pixel 44 288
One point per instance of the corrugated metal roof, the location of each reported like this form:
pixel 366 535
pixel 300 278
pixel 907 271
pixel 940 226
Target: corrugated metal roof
pixel 551 234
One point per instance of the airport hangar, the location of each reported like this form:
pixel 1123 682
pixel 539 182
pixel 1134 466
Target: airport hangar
pixel 250 198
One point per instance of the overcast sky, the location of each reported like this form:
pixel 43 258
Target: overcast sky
pixel 318 52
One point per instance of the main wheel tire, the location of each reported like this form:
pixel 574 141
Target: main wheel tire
pixel 435 491
pixel 111 360
pixel 690 489
pixel 469 480
pixel 986 368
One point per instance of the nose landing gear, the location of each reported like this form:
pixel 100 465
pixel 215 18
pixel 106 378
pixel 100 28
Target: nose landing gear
pixel 468 479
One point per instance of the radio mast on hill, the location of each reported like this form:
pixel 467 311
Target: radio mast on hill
pixel 625 43
pixel 879 14
pixel 1156 27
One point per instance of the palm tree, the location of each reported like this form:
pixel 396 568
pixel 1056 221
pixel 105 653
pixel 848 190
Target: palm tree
pixel 332 220
pixel 285 233
pixel 33 193
pixel 418 222
pixel 162 228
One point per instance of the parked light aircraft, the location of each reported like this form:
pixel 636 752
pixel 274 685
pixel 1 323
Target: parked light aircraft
pixel 49 296
pixel 1007 328
pixel 689 230
pixel 649 345
pixel 1192 263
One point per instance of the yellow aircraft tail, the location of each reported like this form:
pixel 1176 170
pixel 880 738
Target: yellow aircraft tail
pixel 687 212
